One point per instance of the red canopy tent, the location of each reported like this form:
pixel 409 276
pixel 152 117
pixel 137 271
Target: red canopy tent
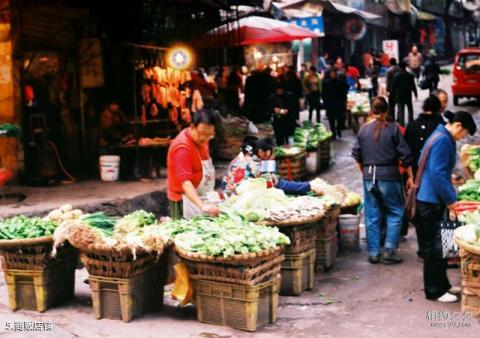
pixel 257 29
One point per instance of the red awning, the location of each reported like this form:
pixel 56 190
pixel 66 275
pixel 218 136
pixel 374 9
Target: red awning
pixel 256 29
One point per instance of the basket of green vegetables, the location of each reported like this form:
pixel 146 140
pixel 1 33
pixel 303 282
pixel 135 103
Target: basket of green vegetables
pixel 115 247
pixel 27 243
pixel 226 249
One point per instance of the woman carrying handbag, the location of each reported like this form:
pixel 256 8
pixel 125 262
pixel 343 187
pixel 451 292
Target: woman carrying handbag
pixel 436 193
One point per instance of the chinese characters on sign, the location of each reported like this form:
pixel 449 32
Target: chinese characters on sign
pixel 30 326
pixel 390 47
pixel 446 319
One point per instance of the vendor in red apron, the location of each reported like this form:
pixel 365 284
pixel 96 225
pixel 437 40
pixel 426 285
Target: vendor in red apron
pixel 191 174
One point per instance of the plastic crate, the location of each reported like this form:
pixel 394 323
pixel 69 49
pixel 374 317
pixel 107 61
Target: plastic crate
pixel 325 150
pixel 298 273
pixel 471 300
pixel 128 298
pixel 326 252
pixel 39 290
pixel 237 306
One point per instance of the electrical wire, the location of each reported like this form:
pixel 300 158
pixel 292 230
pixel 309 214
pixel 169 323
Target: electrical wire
pixel 57 155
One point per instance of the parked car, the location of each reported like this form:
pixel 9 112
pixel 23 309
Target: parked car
pixel 466 74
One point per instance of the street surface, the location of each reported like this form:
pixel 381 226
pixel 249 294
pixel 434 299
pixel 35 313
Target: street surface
pixel 354 299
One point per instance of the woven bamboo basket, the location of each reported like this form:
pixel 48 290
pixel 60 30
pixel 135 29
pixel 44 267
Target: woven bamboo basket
pixel 248 269
pixel 31 254
pixel 292 167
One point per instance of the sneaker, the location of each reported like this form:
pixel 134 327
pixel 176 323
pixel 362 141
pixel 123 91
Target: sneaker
pixel 455 290
pixel 447 298
pixel 374 259
pixel 391 257
pixel 402 239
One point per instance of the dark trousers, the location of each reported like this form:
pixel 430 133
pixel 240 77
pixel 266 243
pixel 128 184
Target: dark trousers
pixel 283 129
pixel 427 223
pixel 336 121
pixel 314 104
pixel 391 107
pixel 433 85
pixel 401 112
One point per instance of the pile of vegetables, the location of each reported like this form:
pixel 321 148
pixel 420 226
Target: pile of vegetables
pixel 255 202
pixel 470 191
pixel 288 151
pixel 470 157
pixel 297 207
pixel 137 231
pixel 23 227
pixel 309 137
pixel 359 103
pixel 64 213
pixel 470 232
pixel 222 236
pixel 9 129
pixel 338 193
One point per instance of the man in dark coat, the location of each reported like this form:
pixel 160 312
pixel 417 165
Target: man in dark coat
pixel 258 87
pixel 334 95
pixel 403 85
pixel 282 108
pixel 391 72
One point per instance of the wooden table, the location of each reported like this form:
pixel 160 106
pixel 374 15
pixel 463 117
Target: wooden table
pixel 146 158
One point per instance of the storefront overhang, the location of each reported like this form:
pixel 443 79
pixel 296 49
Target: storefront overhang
pixel 421 15
pixel 350 10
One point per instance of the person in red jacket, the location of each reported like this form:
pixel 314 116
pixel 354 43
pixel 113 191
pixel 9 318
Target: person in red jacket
pixel 191 174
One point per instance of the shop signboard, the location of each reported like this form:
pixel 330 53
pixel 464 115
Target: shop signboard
pixel 390 47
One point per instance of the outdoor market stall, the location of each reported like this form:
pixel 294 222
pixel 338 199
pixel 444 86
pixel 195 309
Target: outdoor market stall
pixel 231 252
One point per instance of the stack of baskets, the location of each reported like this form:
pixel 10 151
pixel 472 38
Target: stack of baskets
pixel 326 240
pixel 239 291
pixel 292 167
pixel 125 286
pixel 35 279
pixel 298 266
pixel 325 152
pixel 470 268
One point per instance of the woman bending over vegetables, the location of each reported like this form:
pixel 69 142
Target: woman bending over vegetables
pixel 248 164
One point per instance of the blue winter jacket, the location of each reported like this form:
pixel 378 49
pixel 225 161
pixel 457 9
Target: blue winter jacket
pixel 436 186
pixel 293 187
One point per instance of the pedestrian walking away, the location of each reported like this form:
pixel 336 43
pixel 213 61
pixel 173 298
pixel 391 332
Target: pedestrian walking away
pixel 391 72
pixel 431 74
pixel 377 151
pixel 334 96
pixel 436 194
pixel 403 85
pixel 312 85
pixel 422 127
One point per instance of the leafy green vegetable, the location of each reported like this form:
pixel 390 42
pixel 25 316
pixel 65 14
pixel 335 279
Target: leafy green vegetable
pixel 21 227
pixel 9 129
pixel 470 191
pixel 100 221
pixel 223 236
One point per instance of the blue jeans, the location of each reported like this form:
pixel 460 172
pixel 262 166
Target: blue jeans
pixel 389 207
